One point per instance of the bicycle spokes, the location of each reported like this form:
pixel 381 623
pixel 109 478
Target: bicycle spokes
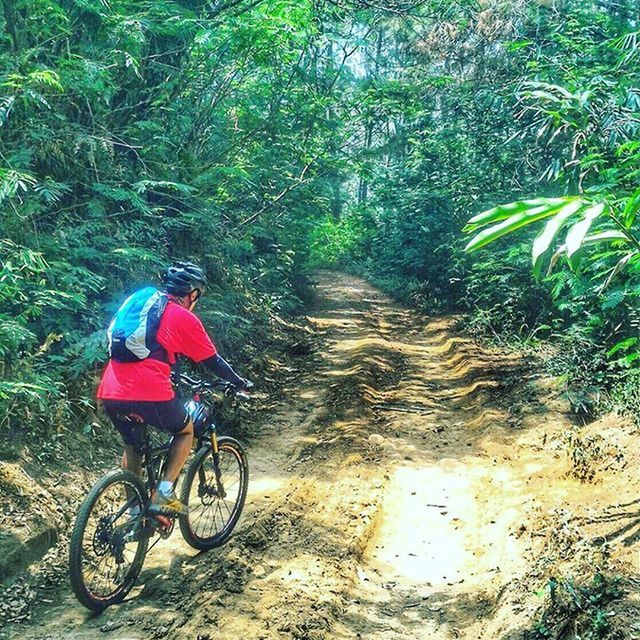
pixel 109 543
pixel 215 493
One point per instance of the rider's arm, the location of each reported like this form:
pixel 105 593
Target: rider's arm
pixel 186 335
pixel 223 370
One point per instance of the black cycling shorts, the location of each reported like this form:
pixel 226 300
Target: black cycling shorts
pixel 127 415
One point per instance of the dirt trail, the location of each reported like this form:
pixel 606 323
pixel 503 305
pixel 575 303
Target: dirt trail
pixel 397 492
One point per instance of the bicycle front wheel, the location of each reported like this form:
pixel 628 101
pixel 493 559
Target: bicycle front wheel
pixel 215 494
pixel 107 550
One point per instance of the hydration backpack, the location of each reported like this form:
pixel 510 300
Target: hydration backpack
pixel 132 332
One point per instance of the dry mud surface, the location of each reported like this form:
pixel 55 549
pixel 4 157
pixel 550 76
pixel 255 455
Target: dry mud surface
pixel 410 484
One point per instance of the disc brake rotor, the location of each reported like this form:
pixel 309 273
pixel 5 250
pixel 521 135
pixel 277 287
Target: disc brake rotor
pixel 102 537
pixel 208 494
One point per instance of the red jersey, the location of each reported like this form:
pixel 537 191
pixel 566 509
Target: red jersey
pixel 180 333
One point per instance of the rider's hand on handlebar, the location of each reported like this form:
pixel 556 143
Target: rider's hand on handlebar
pixel 240 391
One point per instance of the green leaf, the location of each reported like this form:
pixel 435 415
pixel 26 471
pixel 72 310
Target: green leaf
pixel 627 361
pixel 551 229
pixel 519 44
pixel 504 211
pixel 47 78
pixel 515 222
pixel 604 236
pixel 6 104
pixel 150 185
pixel 577 233
pixel 137 254
pixel 613 299
pixel 631 209
pixel 622 263
pixel 12 182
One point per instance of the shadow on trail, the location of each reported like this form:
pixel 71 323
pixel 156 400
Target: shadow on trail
pixel 627 534
pixel 439 612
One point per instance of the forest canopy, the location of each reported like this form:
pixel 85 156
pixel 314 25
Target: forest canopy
pixel 263 138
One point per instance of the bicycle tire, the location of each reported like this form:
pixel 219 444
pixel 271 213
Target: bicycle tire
pixel 83 592
pixel 230 450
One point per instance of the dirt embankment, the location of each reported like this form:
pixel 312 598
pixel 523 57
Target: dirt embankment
pixel 409 484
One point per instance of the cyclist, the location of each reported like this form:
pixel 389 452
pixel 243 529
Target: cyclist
pixel 137 392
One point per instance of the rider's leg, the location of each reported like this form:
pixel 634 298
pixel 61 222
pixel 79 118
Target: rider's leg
pixel 164 500
pixel 127 421
pixel 131 459
pixel 178 452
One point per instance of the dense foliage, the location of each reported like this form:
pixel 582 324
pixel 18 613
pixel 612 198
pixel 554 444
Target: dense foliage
pixel 136 132
pixel 469 106
pixel 259 136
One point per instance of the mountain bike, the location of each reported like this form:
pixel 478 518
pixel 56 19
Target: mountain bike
pixel 113 530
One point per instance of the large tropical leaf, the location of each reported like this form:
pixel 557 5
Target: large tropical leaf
pixel 543 242
pixel 516 215
pixel 595 238
pixel 577 233
pixel 528 211
pixel 504 211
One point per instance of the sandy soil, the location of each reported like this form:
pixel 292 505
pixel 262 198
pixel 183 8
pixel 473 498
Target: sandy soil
pixel 411 484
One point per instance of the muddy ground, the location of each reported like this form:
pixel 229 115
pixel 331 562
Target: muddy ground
pixel 408 484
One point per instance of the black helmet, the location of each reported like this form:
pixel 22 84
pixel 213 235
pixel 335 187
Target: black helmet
pixel 182 278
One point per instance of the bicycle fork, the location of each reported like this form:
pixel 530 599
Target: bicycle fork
pixel 215 451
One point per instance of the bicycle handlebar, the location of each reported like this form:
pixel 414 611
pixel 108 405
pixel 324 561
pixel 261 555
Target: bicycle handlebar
pixel 217 385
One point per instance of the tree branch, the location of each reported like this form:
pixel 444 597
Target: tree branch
pixel 301 180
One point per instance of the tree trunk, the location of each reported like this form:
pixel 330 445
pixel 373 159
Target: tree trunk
pixel 10 22
pixel 363 191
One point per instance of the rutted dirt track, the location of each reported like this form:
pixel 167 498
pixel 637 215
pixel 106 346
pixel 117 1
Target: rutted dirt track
pixel 399 491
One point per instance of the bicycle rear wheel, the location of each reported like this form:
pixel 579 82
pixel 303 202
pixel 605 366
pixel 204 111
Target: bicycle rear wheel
pixel 214 505
pixel 107 548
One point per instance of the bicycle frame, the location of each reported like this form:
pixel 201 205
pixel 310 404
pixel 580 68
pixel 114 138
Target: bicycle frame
pixel 154 460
